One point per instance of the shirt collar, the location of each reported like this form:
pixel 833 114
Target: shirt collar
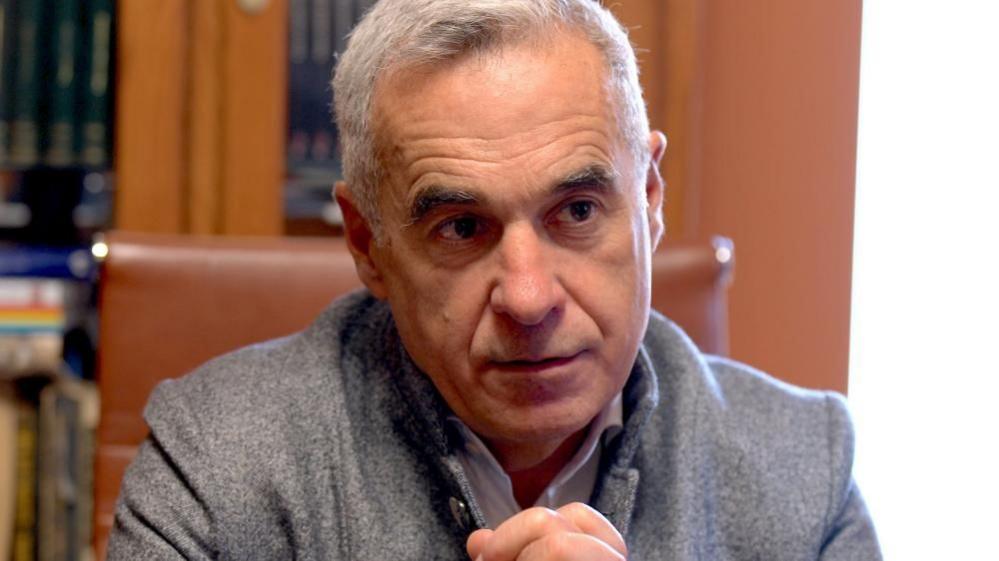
pixel 493 489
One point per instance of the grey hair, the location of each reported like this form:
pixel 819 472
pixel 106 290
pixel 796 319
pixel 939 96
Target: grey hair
pixel 400 34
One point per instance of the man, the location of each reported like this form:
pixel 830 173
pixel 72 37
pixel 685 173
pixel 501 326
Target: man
pixel 500 391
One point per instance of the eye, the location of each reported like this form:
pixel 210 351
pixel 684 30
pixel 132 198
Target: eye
pixel 460 229
pixel 580 211
pixel 576 212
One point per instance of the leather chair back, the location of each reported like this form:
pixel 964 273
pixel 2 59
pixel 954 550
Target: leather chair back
pixel 169 303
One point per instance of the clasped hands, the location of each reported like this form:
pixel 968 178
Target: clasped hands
pixel 575 531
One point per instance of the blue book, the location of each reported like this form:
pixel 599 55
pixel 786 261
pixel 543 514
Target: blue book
pixel 73 263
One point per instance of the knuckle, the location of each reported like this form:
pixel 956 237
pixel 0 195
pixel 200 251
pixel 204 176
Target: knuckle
pixel 576 509
pixel 542 517
pixel 567 546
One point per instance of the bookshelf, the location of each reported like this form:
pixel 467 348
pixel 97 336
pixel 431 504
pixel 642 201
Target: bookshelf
pixel 56 191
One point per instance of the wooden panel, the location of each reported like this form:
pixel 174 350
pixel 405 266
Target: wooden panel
pixel 778 164
pixel 149 134
pixel 204 147
pixel 667 35
pixel 254 108
pixel 684 81
pixel 644 20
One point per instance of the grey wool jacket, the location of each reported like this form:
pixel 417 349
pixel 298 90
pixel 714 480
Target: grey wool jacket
pixel 330 444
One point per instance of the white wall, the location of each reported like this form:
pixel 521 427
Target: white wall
pixel 924 365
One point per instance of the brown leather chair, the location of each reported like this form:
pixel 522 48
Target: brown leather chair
pixel 168 303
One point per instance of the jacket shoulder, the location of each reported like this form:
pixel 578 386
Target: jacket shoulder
pixel 742 401
pixel 257 420
pixel 256 404
pixel 764 445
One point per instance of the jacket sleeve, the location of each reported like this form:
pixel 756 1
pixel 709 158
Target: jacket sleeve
pixel 850 534
pixel 159 514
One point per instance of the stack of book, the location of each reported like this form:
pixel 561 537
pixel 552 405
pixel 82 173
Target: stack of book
pixel 48 410
pixel 55 83
pixel 317 31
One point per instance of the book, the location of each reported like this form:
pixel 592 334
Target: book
pixel 68 262
pixel 317 30
pixel 49 506
pixel 8 35
pixel 25 509
pixel 95 84
pixel 28 354
pixel 298 57
pixel 26 91
pixel 32 305
pixel 8 465
pixel 59 81
pixel 46 325
pixel 33 319
pixel 68 413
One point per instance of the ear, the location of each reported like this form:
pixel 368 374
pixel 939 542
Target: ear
pixel 655 188
pixel 360 241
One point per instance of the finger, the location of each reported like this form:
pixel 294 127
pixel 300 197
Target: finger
pixel 591 522
pixel 477 542
pixel 521 529
pixel 567 546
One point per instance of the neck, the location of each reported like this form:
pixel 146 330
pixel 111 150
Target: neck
pixel 531 470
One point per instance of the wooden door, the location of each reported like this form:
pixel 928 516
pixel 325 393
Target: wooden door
pixel 201 111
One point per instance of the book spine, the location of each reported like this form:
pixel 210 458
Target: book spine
pixel 25 515
pixel 8 466
pixel 71 263
pixel 7 32
pixel 298 58
pixel 331 22
pixel 64 41
pixel 26 110
pixel 86 434
pixel 68 416
pixel 95 129
pixel 29 354
pixel 48 543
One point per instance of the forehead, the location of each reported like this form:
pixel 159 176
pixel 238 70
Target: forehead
pixel 539 103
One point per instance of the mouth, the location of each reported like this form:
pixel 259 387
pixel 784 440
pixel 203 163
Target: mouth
pixel 536 365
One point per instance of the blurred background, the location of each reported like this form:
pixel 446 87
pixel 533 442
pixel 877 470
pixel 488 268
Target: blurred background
pixel 869 272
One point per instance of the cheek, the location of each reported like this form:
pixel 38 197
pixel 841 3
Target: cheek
pixel 437 313
pixel 614 285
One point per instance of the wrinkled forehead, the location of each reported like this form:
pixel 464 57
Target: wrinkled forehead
pixel 497 92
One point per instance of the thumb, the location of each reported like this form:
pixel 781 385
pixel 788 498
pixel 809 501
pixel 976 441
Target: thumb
pixel 477 542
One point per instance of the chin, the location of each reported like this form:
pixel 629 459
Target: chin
pixel 547 423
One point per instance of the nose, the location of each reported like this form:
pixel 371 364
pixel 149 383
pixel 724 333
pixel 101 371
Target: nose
pixel 527 289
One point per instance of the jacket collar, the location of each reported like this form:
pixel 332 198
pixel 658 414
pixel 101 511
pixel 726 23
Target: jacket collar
pixel 423 419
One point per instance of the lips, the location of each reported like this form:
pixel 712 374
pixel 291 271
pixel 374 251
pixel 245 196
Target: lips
pixel 536 364
pixel 530 382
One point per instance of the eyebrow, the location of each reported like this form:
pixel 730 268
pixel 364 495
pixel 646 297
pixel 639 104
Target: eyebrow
pixel 435 196
pixel 596 177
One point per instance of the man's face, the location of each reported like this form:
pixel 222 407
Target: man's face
pixel 516 237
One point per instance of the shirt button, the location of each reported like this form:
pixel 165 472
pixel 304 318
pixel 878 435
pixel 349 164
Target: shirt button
pixel 460 512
